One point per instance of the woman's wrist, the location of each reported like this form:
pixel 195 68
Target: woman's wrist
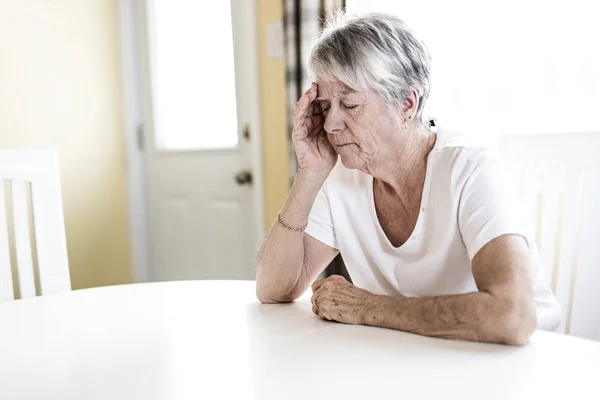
pixel 301 198
pixel 368 309
pixel 307 176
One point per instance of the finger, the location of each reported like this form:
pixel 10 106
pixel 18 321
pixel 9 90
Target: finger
pixel 327 311
pixel 315 310
pixel 303 102
pixel 321 313
pixel 312 96
pixel 326 315
pixel 301 109
pixel 315 286
pixel 315 300
pixel 303 106
pixel 320 284
pixel 310 125
pixel 312 85
pixel 300 132
pixel 309 96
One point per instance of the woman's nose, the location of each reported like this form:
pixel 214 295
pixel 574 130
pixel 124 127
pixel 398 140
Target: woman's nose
pixel 334 121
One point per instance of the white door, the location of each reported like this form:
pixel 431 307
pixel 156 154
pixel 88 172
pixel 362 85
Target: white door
pixel 200 102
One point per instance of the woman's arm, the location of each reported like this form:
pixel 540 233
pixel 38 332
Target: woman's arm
pixel 503 310
pixel 289 261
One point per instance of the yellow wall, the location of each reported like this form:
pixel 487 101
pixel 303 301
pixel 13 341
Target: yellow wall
pixel 59 86
pixel 273 100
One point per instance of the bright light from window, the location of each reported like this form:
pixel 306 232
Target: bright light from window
pixel 511 66
pixel 194 98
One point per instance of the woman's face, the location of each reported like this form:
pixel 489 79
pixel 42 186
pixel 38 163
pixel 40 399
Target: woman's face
pixel 360 127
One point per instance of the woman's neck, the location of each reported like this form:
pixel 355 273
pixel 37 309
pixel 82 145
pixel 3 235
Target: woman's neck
pixel 406 170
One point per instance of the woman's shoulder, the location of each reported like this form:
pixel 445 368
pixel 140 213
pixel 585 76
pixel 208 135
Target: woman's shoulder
pixel 460 155
pixel 453 141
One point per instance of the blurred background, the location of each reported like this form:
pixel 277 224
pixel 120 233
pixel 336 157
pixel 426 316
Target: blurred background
pixel 172 118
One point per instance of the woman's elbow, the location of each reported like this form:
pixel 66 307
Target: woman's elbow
pixel 267 296
pixel 273 289
pixel 518 322
pixel 265 299
pixel 518 336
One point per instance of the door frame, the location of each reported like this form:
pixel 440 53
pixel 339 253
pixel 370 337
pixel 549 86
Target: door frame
pixel 137 118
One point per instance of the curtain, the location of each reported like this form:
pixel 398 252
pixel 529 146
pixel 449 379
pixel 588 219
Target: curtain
pixel 303 19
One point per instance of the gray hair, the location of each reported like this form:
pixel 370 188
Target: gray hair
pixel 374 51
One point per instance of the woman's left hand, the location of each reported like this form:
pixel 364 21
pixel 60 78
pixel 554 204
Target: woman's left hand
pixel 336 299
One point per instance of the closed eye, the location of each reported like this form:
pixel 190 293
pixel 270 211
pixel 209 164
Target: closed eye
pixel 349 107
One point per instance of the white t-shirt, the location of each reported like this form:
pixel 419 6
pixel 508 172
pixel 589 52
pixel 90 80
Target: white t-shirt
pixel 467 201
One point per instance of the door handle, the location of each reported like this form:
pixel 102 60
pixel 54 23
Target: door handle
pixel 244 177
pixel 246 132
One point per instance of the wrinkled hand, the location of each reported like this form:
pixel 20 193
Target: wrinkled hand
pixel 316 156
pixel 336 299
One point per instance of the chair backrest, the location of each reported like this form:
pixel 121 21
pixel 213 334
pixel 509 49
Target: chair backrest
pixel 35 170
pixel 559 179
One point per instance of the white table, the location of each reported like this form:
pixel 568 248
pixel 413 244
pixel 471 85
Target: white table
pixel 212 340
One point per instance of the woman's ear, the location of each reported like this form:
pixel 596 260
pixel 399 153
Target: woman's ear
pixel 410 104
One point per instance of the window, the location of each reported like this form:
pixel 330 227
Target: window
pixel 193 75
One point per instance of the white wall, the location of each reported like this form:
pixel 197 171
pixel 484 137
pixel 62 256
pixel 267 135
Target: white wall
pixel 511 66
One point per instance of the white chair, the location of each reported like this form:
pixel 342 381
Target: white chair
pixel 559 178
pixel 40 168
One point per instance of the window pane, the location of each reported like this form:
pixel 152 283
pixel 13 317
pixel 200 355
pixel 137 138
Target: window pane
pixel 193 70
pixel 511 66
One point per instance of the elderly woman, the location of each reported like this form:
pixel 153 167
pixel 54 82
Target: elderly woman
pixel 432 235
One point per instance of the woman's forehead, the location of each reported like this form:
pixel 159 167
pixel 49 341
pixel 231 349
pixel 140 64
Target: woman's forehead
pixel 328 90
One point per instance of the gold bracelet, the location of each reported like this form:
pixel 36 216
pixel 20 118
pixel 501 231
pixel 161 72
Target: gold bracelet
pixel 291 228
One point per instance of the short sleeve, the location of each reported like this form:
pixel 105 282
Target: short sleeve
pixel 320 222
pixel 490 206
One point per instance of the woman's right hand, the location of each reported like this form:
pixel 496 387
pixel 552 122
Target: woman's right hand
pixel 316 156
